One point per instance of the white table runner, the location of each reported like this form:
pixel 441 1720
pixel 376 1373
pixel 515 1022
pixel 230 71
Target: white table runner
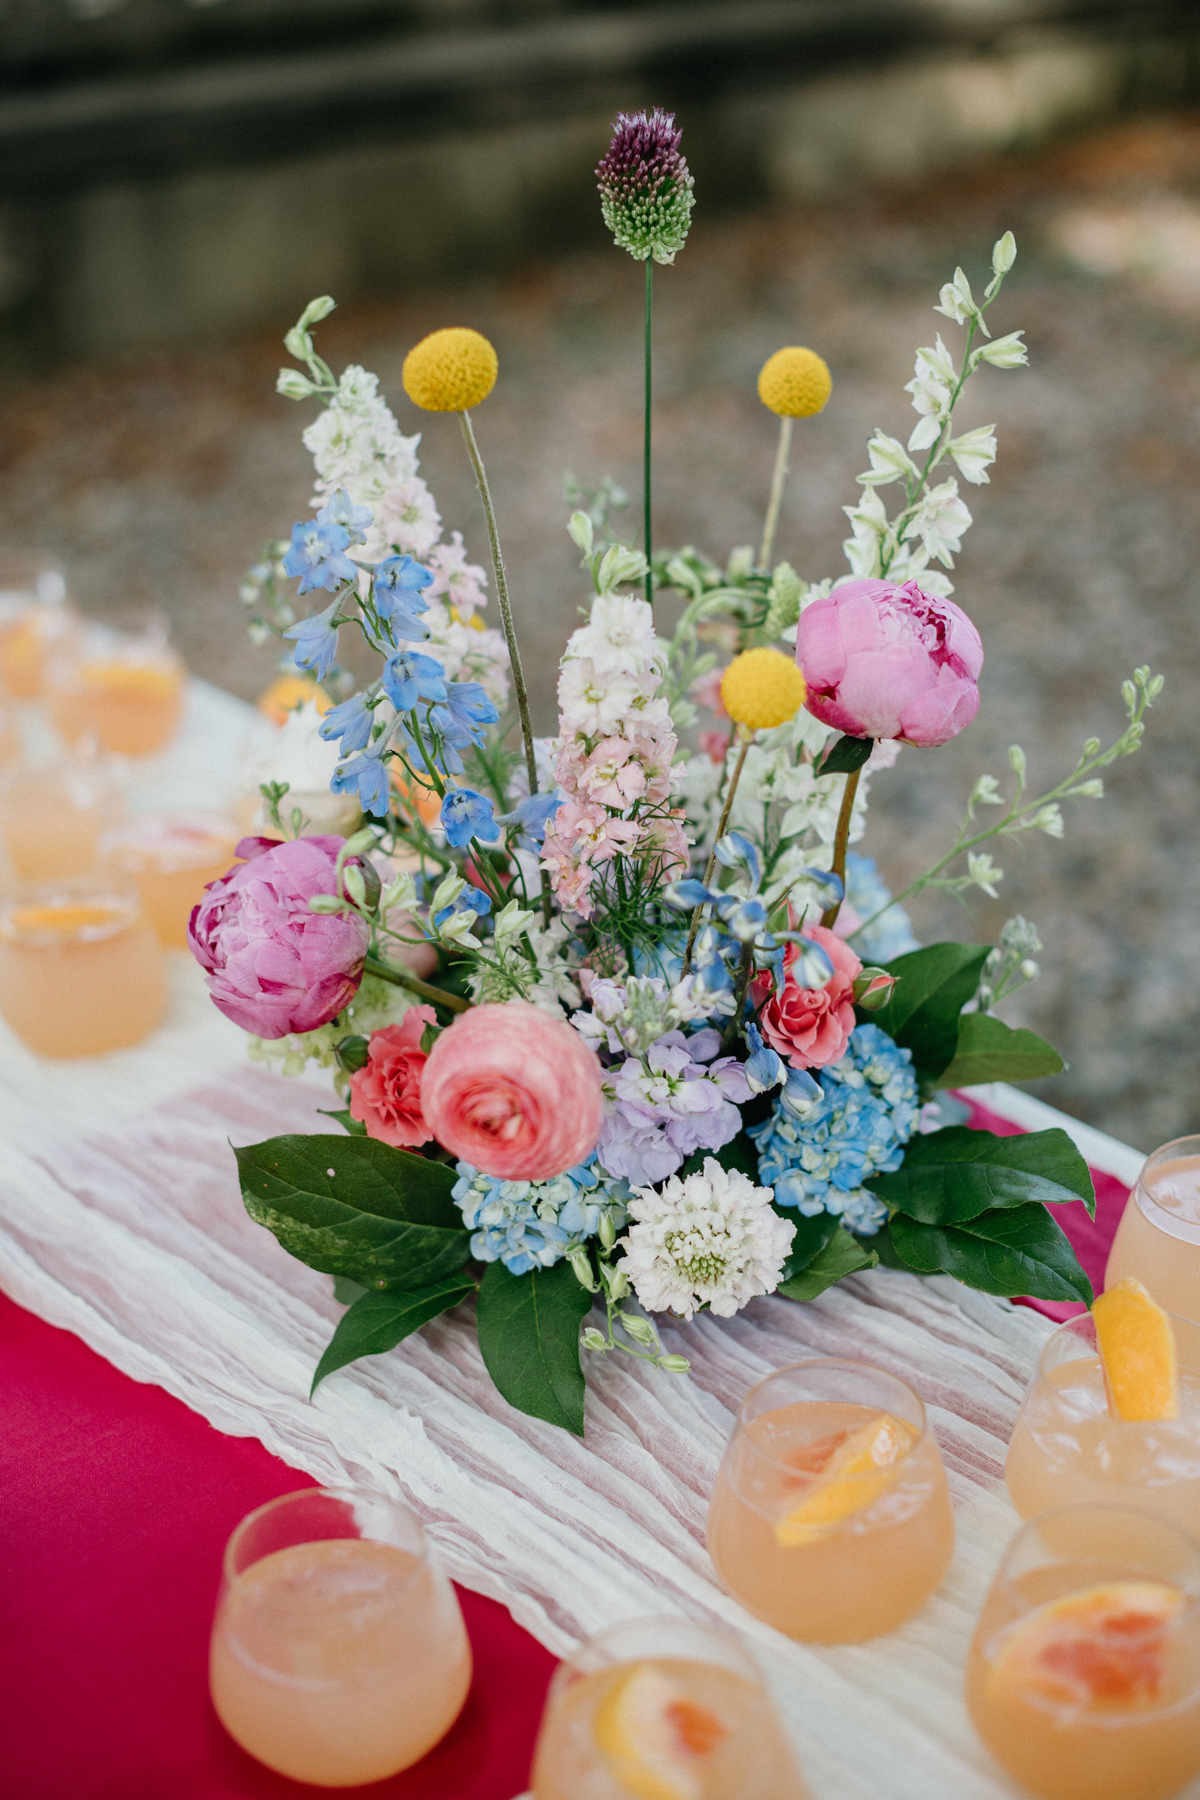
pixel 120 1219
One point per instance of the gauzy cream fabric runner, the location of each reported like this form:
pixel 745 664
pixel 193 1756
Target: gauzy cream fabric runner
pixel 121 1220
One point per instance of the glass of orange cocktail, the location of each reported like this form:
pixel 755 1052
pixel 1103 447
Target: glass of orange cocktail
pixel 34 620
pixel 339 1654
pixel 830 1517
pixel 170 859
pixel 119 685
pixel 81 970
pixel 662 1707
pixel 52 816
pixel 1158 1239
pixel 1084 1673
pixel 1072 1442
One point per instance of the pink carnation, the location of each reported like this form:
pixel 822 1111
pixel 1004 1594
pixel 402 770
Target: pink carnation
pixel 885 661
pixel 272 965
pixel 810 1027
pixel 514 1092
pixel 385 1094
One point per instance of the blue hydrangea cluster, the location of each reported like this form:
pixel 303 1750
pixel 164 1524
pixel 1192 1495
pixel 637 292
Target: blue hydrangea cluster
pixel 818 1161
pixel 532 1224
pixel 867 891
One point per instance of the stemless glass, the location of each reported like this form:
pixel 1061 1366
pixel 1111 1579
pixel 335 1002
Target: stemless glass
pixel 1068 1448
pixel 52 816
pixel 34 620
pixel 81 971
pixel 171 859
pixel 1083 1678
pixel 662 1707
pixel 1158 1239
pixel 884 1537
pixel 119 684
pixel 339 1654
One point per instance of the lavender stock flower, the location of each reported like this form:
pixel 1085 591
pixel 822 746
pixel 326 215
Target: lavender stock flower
pixel 646 187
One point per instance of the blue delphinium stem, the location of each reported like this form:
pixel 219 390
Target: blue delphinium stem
pixel 647 540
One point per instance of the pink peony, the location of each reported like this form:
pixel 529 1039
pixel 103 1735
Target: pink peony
pixel 385 1094
pixel 272 965
pixel 810 1027
pixel 884 661
pixel 513 1091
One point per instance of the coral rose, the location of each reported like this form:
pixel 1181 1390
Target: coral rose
pixel 385 1094
pixel 272 965
pixel 810 1027
pixel 513 1091
pixel 885 661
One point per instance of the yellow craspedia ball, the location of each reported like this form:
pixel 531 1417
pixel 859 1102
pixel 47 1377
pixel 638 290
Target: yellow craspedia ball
pixel 450 370
pixel 794 383
pixel 762 688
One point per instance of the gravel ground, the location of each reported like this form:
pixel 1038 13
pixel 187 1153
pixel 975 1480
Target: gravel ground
pixel 157 478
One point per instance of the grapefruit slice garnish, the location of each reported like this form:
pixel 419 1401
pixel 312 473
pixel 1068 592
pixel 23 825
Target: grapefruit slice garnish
pixel 63 921
pixel 857 1467
pixel 656 1737
pixel 1104 1649
pixel 1137 1348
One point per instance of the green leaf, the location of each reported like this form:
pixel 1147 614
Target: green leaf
pixel 355 1127
pixel 812 1235
pixel 990 1050
pixel 846 755
pixel 932 987
pixel 1017 1250
pixel 955 1174
pixel 529 1340
pixel 346 1291
pixel 353 1206
pixel 842 1255
pixel 378 1322
pixel 739 1154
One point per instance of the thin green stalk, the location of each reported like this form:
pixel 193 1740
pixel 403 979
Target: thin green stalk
pixel 840 842
pixel 647 538
pixel 506 619
pixel 777 480
pixel 694 928
pixel 402 978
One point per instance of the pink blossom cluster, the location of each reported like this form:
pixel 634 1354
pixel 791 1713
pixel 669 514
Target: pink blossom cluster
pixel 613 755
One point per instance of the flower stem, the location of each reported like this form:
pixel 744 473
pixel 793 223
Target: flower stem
pixel 747 738
pixel 840 842
pixel 373 965
pixel 777 481
pixel 647 539
pixel 506 619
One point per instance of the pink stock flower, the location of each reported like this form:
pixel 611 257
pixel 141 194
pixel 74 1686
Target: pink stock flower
pixel 715 745
pixel 810 1027
pixel 885 661
pixel 514 1092
pixel 385 1094
pixel 272 965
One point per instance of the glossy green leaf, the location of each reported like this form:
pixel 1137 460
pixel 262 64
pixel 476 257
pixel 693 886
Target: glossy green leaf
pixel 990 1050
pixel 845 755
pixel 812 1235
pixel 842 1255
pixel 529 1340
pixel 957 1173
pixel 353 1206
pixel 378 1322
pixel 345 1119
pixel 1015 1250
pixel 932 987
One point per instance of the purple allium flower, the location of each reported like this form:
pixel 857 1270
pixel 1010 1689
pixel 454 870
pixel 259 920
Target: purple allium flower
pixel 646 187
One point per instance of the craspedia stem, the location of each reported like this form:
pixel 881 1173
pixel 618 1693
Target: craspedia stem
pixel 782 452
pixel 506 619
pixel 747 738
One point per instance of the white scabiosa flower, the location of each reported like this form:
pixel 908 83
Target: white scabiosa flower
pixel 711 1239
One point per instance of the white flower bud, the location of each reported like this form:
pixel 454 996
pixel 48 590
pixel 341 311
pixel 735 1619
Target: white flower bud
pixel 326 903
pixel 316 310
pixel 581 1267
pixel 1030 970
pixel 580 528
pixel 593 1339
pixel 674 1365
pixel 293 385
pixel 1004 253
pixel 607 1230
pixel 1091 747
pixel 639 1329
pixel 1016 758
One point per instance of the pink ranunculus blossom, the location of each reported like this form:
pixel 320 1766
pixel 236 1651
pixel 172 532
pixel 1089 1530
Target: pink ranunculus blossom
pixel 385 1094
pixel 273 966
pixel 513 1091
pixel 810 1027
pixel 888 661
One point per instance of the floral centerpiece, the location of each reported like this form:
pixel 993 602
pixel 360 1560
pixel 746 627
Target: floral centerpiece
pixel 621 1019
